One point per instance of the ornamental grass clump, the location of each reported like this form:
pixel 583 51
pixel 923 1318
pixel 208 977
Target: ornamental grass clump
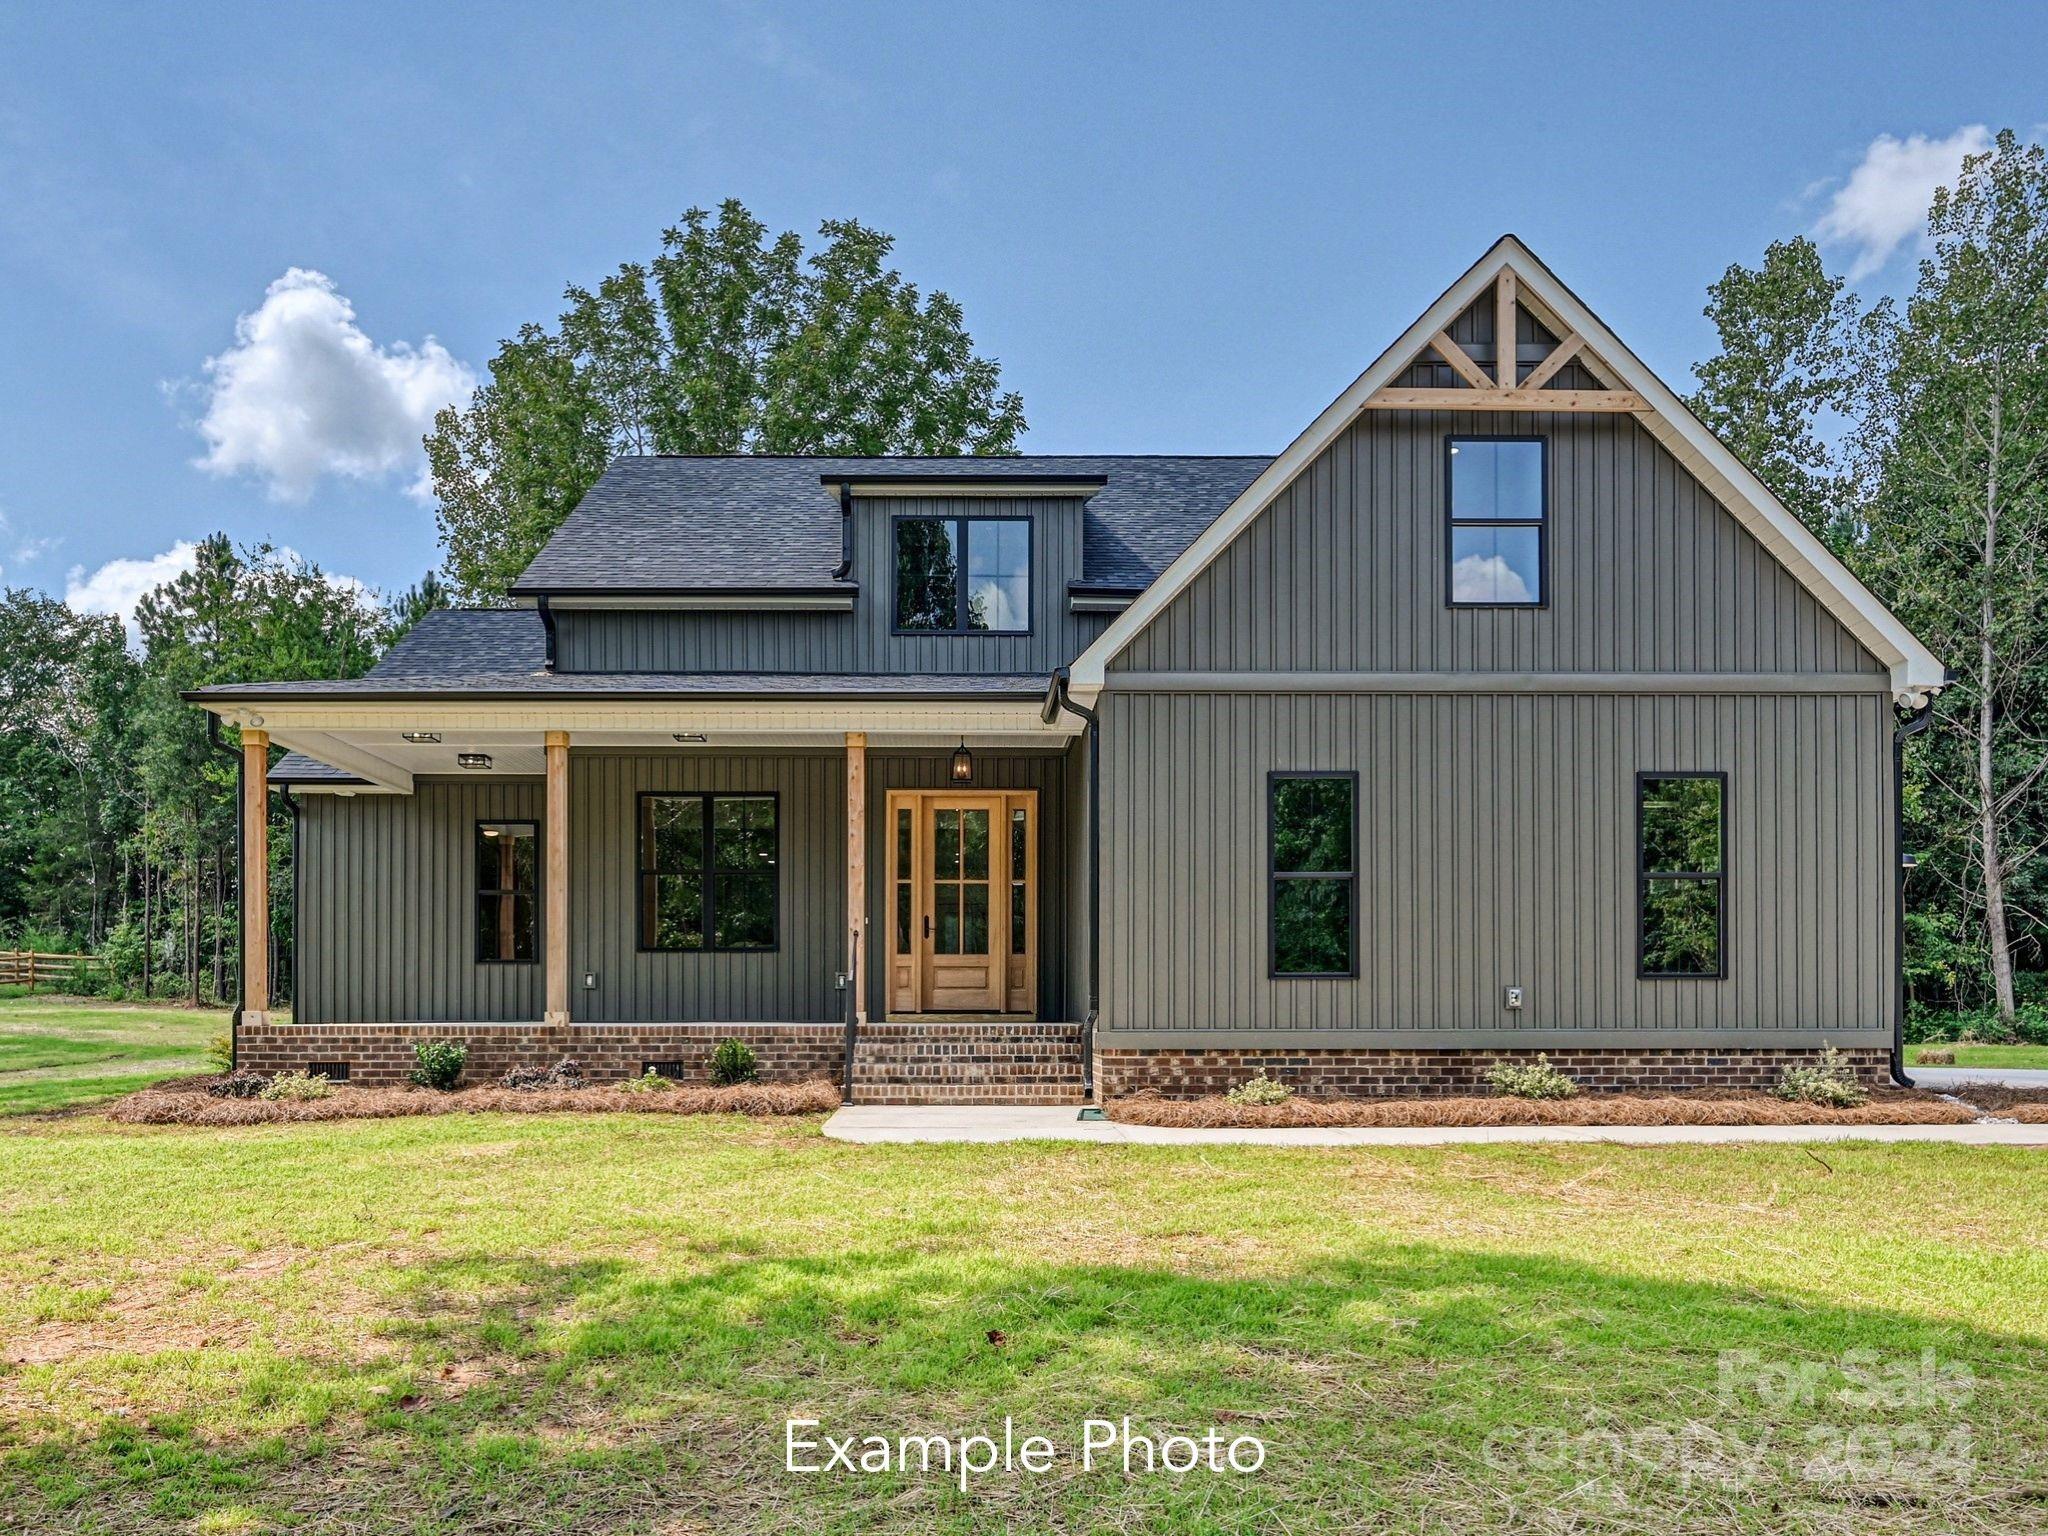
pixel 438 1063
pixel 1260 1089
pixel 1536 1079
pixel 733 1063
pixel 297 1087
pixel 1828 1082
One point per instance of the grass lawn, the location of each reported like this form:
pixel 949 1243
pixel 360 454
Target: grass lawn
pixel 526 1324
pixel 58 1053
pixel 2032 1056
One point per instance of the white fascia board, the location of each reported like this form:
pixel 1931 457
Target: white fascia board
pixel 299 724
pixel 1915 670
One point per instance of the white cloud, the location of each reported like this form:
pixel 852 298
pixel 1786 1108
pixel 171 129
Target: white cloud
pixel 1487 579
pixel 304 393
pixel 119 585
pixel 1884 202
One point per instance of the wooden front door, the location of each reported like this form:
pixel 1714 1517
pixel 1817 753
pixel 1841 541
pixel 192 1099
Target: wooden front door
pixel 963 878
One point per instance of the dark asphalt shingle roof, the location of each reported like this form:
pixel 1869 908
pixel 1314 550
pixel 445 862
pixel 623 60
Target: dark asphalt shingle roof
pixel 297 768
pixel 681 523
pixel 499 652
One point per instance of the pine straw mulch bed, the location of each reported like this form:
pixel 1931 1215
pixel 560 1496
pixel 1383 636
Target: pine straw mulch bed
pixel 187 1102
pixel 1716 1106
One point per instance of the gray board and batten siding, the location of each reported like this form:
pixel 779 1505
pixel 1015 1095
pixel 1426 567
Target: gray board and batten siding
pixel 1497 752
pixel 387 897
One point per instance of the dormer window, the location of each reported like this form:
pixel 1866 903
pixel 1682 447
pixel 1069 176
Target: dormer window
pixel 963 575
pixel 1496 522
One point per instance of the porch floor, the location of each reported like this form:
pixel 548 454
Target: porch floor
pixel 950 1122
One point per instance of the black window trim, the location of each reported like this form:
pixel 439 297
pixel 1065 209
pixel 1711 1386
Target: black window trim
pixel 1274 875
pixel 477 891
pixel 641 872
pixel 1644 875
pixel 963 519
pixel 1540 524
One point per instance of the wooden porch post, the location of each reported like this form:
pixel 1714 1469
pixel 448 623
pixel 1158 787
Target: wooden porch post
pixel 555 910
pixel 255 876
pixel 857 869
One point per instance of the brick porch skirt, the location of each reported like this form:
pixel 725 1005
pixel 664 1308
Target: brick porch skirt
pixel 1362 1073
pixel 380 1055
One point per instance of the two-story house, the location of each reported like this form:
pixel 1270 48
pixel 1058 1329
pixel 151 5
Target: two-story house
pixel 1504 711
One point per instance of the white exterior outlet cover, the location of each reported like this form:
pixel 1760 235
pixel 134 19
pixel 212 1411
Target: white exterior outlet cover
pixel 1514 997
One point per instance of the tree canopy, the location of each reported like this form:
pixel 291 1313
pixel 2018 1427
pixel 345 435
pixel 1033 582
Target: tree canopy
pixel 729 340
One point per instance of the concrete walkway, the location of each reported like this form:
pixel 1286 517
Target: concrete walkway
pixel 1953 1079
pixel 905 1123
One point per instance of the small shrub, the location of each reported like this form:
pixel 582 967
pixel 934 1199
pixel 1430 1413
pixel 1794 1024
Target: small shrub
pixel 1536 1079
pixel 1260 1089
pixel 563 1074
pixel 734 1062
pixel 297 1087
pixel 239 1085
pixel 649 1081
pixel 220 1051
pixel 1828 1082
pixel 438 1063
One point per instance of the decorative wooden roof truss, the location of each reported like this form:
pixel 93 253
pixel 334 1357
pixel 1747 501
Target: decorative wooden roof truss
pixel 1505 388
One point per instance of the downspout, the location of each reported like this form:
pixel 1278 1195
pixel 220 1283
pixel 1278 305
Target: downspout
pixel 547 622
pixel 845 531
pixel 1057 699
pixel 292 804
pixel 241 907
pixel 1911 726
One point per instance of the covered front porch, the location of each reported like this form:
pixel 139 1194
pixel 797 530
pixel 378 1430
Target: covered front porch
pixel 899 885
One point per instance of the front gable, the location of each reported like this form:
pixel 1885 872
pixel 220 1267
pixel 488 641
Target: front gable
pixel 1665 552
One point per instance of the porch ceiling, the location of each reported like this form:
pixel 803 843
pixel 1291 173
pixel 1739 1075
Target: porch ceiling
pixel 378 755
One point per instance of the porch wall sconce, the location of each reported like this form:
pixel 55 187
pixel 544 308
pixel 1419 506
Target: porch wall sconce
pixel 963 764
pixel 420 738
pixel 472 759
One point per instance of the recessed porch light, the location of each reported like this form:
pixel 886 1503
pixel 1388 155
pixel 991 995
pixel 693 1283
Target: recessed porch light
pixel 691 736
pixel 420 738
pixel 472 759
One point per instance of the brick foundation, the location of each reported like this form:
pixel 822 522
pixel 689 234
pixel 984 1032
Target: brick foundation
pixel 961 1062
pixel 380 1055
pixel 1344 1073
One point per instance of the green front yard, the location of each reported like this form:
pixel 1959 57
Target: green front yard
pixel 57 1053
pixel 603 1323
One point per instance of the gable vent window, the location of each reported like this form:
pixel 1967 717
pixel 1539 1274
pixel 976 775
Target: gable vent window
pixel 708 871
pixel 1313 920
pixel 1496 523
pixel 507 914
pixel 1681 890
pixel 963 575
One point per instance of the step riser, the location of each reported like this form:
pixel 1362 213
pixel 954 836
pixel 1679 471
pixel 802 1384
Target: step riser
pixel 958 1063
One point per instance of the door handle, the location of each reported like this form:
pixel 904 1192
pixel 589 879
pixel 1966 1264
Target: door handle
pixel 927 925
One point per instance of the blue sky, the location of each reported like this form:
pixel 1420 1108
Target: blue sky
pixel 1179 227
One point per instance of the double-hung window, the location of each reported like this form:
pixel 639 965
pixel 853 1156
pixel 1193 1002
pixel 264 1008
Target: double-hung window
pixel 708 871
pixel 507 917
pixel 1312 824
pixel 1682 879
pixel 1496 514
pixel 963 575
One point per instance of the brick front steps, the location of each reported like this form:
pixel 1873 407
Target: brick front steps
pixel 960 1062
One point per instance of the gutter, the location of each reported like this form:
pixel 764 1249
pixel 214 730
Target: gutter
pixel 241 907
pixel 1057 699
pixel 845 530
pixel 1912 726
